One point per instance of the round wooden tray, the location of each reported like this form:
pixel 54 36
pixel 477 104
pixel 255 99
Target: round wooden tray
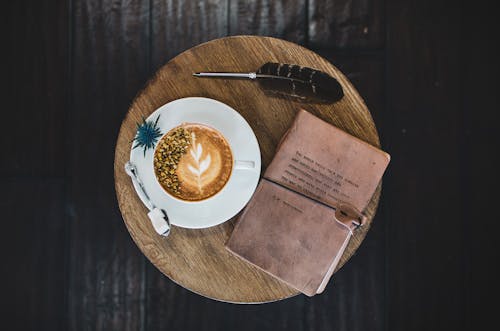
pixel 197 259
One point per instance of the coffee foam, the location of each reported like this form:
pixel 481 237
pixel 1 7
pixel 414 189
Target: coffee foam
pixel 206 166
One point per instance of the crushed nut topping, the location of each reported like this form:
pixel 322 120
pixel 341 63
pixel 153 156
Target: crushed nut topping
pixel 167 156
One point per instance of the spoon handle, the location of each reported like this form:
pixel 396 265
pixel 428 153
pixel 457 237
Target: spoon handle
pixel 131 170
pixel 158 216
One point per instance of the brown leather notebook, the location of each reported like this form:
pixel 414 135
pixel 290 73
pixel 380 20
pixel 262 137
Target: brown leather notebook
pixel 307 205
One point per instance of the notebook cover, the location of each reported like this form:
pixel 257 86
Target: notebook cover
pixel 288 236
pixel 292 227
pixel 326 163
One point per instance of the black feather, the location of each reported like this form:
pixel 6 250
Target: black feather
pixel 303 83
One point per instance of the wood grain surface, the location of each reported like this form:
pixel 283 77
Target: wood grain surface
pixel 42 72
pixel 346 23
pixel 196 259
pixel 36 265
pixel 105 268
pixel 278 18
pixel 33 169
pixel 195 21
pixel 428 73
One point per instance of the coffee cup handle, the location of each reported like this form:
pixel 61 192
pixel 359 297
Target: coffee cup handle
pixel 244 165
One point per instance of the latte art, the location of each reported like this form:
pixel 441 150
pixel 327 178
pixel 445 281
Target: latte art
pixel 199 166
pixel 205 166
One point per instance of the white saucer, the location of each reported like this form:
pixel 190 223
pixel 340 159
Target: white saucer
pixel 242 183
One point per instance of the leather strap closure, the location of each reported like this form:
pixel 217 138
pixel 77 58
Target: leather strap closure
pixel 344 212
pixel 350 216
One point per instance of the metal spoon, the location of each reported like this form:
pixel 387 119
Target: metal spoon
pixel 158 216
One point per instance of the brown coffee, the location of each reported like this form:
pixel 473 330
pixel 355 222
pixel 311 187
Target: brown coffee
pixel 201 170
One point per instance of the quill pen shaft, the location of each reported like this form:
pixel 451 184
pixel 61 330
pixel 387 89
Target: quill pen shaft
pixel 250 75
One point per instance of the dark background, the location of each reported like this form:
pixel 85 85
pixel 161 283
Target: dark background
pixel 428 72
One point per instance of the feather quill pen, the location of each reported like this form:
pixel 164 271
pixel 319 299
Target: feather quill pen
pixel 290 80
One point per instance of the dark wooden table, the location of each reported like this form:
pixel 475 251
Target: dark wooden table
pixel 427 71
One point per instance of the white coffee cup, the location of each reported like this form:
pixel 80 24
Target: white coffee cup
pixel 244 176
pixel 244 165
